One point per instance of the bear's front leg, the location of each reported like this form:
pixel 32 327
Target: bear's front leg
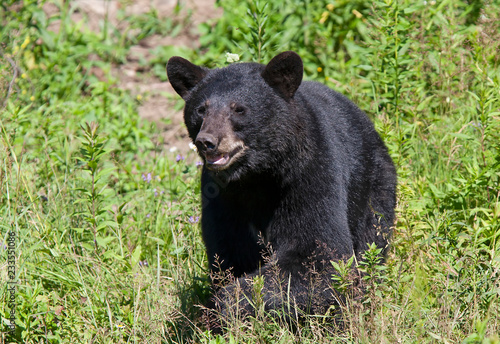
pixel 283 292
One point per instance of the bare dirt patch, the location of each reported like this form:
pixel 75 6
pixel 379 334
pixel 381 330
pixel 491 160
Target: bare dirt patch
pixel 158 97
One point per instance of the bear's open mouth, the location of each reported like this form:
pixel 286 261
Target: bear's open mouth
pixel 221 161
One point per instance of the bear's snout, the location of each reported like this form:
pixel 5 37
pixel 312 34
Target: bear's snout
pixel 206 142
pixel 219 152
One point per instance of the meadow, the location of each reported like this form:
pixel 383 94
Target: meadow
pixel 99 216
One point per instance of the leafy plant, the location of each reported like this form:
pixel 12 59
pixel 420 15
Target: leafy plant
pixel 95 215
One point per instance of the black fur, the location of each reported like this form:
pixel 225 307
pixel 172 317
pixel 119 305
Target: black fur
pixel 314 181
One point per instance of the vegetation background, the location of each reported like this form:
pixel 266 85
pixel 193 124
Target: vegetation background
pixel 105 209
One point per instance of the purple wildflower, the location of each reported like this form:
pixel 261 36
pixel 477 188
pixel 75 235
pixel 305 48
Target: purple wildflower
pixel 179 158
pixel 199 163
pixel 147 178
pixel 194 219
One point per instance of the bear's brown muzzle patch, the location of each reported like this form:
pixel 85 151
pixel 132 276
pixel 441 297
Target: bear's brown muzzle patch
pixel 223 158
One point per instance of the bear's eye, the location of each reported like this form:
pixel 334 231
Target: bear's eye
pixel 240 110
pixel 201 110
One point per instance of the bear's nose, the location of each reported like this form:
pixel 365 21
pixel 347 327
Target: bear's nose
pixel 206 142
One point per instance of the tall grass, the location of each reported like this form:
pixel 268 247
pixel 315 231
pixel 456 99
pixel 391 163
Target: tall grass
pixel 108 246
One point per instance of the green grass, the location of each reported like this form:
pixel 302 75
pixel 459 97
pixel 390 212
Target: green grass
pixel 108 246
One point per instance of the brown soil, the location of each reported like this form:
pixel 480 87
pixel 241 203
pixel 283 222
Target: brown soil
pixel 158 98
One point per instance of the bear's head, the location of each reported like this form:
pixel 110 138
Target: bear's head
pixel 239 117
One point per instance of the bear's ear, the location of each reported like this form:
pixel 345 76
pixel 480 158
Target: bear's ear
pixel 284 73
pixel 183 75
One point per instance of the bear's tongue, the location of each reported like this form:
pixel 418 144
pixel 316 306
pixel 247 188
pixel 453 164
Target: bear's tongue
pixel 217 159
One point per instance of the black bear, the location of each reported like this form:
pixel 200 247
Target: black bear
pixel 294 176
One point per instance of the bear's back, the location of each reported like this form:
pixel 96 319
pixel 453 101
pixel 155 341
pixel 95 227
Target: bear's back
pixel 343 130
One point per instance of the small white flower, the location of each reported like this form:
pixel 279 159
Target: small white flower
pixel 192 146
pixel 173 149
pixel 230 58
pixel 448 99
